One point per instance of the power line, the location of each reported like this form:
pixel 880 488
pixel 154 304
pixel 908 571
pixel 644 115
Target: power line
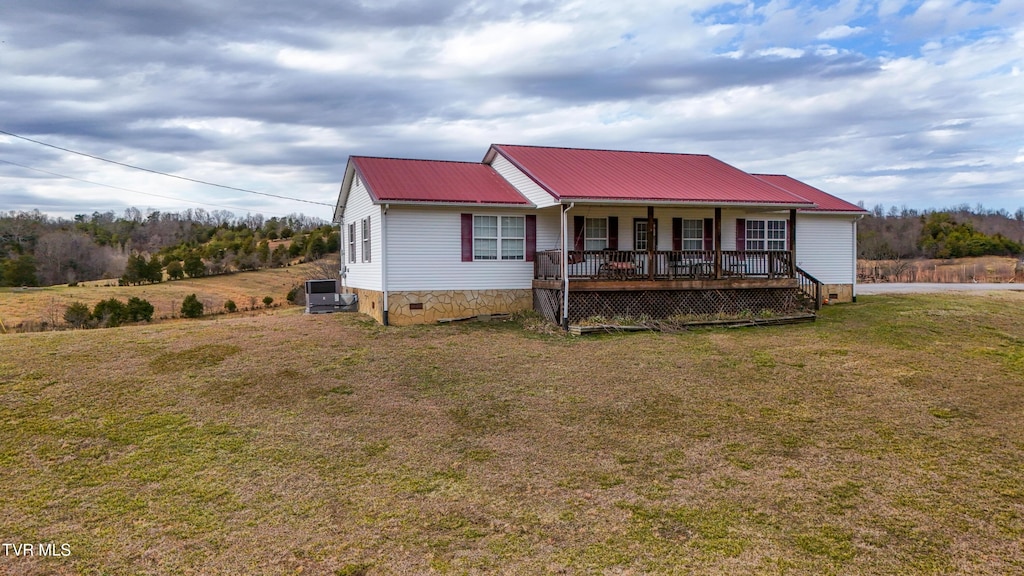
pixel 247 191
pixel 127 189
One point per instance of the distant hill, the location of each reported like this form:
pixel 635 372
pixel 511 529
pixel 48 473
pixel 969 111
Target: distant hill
pixel 29 309
pixel 36 250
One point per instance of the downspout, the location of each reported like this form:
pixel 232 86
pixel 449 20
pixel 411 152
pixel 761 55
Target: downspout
pixel 565 266
pixel 342 272
pixel 383 260
pixel 853 285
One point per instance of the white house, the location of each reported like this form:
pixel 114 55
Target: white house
pixel 575 233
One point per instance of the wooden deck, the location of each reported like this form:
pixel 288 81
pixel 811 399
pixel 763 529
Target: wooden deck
pixel 612 285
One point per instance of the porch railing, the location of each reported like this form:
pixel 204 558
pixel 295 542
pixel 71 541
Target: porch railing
pixel 811 287
pixel 663 265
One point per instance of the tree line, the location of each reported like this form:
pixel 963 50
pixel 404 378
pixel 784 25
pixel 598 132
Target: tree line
pixel 900 233
pixel 36 249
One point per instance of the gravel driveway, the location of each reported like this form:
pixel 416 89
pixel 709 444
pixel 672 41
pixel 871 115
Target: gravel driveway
pixel 922 287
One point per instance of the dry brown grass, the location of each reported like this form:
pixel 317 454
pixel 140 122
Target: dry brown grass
pixel 247 289
pixel 981 269
pixel 883 439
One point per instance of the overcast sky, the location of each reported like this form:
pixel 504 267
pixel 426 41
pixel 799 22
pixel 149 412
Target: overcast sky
pixel 883 102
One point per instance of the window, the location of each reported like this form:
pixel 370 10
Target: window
pixel 641 235
pixel 499 238
pixel 595 235
pixel 776 234
pixel 366 239
pixel 693 234
pixel 766 235
pixel 352 242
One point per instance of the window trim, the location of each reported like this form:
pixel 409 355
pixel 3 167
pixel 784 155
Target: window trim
pixel 352 242
pixel 366 239
pixel 698 240
pixel 636 223
pixel 770 227
pixel 500 238
pixel 587 237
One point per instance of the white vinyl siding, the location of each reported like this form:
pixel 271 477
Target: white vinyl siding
pixel 359 207
pixel 425 250
pixel 825 247
pixel 526 186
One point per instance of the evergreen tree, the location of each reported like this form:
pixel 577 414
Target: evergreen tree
pixel 20 272
pixel 191 307
pixel 175 271
pixel 77 315
pixel 193 265
pixel 138 310
pixel 110 313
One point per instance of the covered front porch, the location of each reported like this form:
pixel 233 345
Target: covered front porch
pixel 575 284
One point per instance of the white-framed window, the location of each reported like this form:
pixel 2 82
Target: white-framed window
pixel 352 242
pixel 766 235
pixel 366 239
pixel 595 234
pixel 693 234
pixel 499 237
pixel 641 235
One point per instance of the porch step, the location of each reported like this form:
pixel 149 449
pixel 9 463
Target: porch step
pixel 577 330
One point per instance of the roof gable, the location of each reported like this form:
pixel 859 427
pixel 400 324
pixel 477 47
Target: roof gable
pixel 434 181
pixel 611 175
pixel 825 202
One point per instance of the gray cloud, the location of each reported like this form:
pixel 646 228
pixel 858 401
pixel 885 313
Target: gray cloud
pixel 275 96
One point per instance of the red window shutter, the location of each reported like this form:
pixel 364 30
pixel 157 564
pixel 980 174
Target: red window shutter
pixel 531 237
pixel 709 233
pixel 467 237
pixel 741 234
pixel 579 225
pixel 613 232
pixel 677 233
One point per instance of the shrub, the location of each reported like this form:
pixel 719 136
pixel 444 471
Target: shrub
pixel 175 270
pixel 297 295
pixel 191 307
pixel 77 315
pixel 267 301
pixel 139 310
pixel 230 306
pixel 110 313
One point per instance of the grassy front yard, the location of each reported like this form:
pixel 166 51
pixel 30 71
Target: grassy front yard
pixel 885 438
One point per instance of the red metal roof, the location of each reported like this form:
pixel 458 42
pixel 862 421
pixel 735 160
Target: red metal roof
pixel 580 174
pixel 825 201
pixel 402 180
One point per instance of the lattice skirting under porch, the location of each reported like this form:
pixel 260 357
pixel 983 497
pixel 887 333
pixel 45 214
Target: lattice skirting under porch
pixel 664 304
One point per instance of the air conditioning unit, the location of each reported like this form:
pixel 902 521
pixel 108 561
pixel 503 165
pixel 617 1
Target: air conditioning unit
pixel 322 297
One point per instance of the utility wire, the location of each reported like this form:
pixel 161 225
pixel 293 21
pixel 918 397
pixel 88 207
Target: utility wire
pixel 125 189
pixel 163 173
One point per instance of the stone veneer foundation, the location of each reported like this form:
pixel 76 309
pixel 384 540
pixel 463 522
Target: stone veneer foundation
pixel 843 292
pixel 371 303
pixel 431 306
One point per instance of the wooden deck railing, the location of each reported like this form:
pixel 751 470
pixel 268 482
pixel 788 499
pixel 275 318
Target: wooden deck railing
pixel 663 265
pixel 811 287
